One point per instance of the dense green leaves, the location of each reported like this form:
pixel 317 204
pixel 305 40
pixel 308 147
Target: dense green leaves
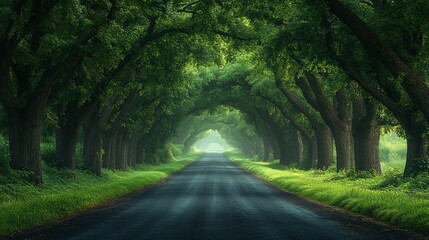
pixel 139 74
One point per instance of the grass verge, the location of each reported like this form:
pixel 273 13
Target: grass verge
pixel 23 206
pixel 388 198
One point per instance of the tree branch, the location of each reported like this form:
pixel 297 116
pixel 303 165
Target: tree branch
pixel 231 35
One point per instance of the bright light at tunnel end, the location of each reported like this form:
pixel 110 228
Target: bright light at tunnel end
pixel 215 147
pixel 212 143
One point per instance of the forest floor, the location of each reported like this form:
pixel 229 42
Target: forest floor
pixel 65 194
pixel 388 198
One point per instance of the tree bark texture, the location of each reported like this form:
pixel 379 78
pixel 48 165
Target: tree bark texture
pixel 366 135
pixel 24 143
pixel 310 159
pixel 293 146
pixel 66 137
pixel 417 150
pixel 325 146
pixel 338 119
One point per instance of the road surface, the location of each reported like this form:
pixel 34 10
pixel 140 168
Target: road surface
pixel 214 199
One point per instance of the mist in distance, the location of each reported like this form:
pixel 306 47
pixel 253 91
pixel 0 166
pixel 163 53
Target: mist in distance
pixel 213 142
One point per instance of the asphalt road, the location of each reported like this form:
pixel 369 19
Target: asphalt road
pixel 214 199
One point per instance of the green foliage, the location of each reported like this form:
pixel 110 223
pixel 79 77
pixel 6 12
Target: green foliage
pixel 420 181
pixel 47 152
pixel 395 180
pixel 421 165
pixel 175 149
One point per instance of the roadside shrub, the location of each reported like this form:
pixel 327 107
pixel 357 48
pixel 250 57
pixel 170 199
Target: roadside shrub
pixel 353 174
pixel 421 165
pixel 420 182
pixel 391 179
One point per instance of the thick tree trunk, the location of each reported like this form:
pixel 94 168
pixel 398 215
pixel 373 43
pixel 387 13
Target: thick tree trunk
pixel 276 148
pixel 417 152
pixel 344 146
pixel 338 118
pixel 132 151
pixel 95 125
pixel 293 147
pixel 66 137
pixel 119 152
pixel 310 159
pixel 283 154
pixel 6 94
pixel 109 148
pixel 92 148
pixel 267 148
pixel 325 146
pixel 140 154
pixel 121 161
pixel 366 135
pixel 260 147
pixel 24 142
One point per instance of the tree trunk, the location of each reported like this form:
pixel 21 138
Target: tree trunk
pixel 325 146
pixel 267 148
pixel 344 146
pixel 121 152
pixel 6 94
pixel 92 148
pixel 140 155
pixel 260 147
pixel 337 116
pixel 276 148
pixel 107 150
pixel 312 154
pixel 132 151
pixel 66 137
pixel 283 154
pixel 24 143
pixel 293 147
pixel 366 135
pixel 110 148
pixel 417 152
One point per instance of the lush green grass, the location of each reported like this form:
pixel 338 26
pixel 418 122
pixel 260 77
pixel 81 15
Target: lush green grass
pixel 388 198
pixel 393 151
pixel 23 205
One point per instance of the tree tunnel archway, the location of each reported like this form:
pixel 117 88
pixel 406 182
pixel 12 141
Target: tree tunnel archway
pixel 122 79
